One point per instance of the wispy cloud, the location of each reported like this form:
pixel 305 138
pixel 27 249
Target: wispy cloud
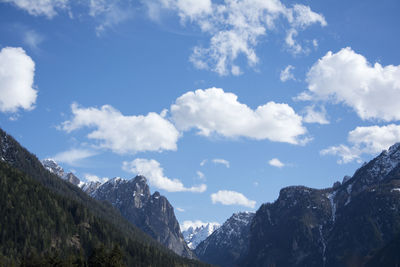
pixel 221 161
pixel 236 27
pixel 74 156
pixel 33 39
pixel 286 74
pixel 200 175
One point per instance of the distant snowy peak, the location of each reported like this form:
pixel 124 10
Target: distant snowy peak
pixel 89 187
pixel 52 166
pixel 375 171
pixel 194 235
pixel 386 162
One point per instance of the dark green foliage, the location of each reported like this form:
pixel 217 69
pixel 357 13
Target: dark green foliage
pixel 45 221
pixel 387 256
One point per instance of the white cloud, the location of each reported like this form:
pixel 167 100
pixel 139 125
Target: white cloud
pixel 204 161
pixel 46 8
pixel 226 197
pixel 195 224
pixel 109 13
pixel 346 154
pixel 221 161
pixel 365 140
pixel 33 39
pixel 286 74
pixel 73 156
pixel 180 209
pixel 214 111
pixel 235 27
pixel 312 115
pixel 17 72
pixel 124 134
pixel 152 170
pixel 373 91
pixel 303 17
pixel 293 45
pixel 94 178
pixel 200 175
pixel 276 163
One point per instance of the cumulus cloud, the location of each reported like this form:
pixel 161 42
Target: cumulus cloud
pixel 17 72
pixel 215 111
pixel 153 171
pixel 94 178
pixel 313 115
pixel 276 163
pixel 373 91
pixel 221 161
pixel 226 197
pixel 46 8
pixel 365 140
pixel 74 156
pixel 195 224
pixel 235 27
pixel 124 134
pixel 286 74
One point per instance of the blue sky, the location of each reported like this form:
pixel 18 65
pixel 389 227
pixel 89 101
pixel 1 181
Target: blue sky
pixel 219 103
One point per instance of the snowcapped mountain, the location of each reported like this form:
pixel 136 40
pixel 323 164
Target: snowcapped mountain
pixel 89 187
pixel 229 243
pixel 194 235
pixel 52 166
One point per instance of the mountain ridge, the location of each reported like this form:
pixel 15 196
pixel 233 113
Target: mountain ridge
pixel 344 225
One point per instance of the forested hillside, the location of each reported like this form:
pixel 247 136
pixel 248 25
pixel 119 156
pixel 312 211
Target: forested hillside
pixel 47 221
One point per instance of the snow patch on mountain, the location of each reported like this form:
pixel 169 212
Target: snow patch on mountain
pixel 195 232
pixel 386 162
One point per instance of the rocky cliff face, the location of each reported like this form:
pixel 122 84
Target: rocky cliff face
pixel 340 226
pixel 151 213
pixel 228 244
pixel 354 223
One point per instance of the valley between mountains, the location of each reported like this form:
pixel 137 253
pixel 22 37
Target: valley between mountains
pixel 356 222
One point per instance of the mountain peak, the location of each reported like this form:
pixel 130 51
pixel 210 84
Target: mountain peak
pixel 194 235
pixel 52 166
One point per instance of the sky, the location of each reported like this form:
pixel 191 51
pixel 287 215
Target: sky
pixel 220 104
